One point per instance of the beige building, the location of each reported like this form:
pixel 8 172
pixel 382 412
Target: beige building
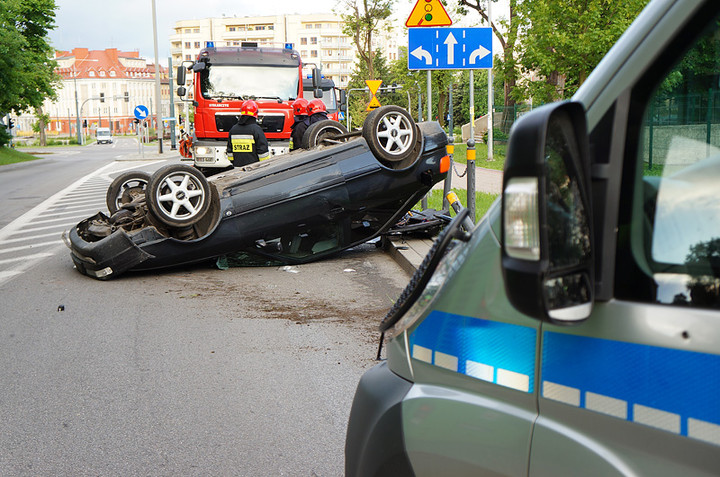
pixel 87 76
pixel 318 38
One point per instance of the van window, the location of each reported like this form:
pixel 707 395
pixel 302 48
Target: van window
pixel 675 227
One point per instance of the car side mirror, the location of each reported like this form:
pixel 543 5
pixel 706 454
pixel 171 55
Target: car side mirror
pixel 180 81
pixel 547 240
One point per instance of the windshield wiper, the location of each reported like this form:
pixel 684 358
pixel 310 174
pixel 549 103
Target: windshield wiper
pixel 277 98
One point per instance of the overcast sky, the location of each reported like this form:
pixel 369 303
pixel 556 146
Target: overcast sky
pixel 127 24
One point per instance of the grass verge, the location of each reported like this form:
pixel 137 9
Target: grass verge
pixel 481 153
pixel 9 155
pixel 483 201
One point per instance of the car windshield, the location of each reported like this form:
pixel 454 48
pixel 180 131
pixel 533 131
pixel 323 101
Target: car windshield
pixel 103 133
pixel 228 82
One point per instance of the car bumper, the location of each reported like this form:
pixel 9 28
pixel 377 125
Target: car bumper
pixel 105 258
pixel 374 445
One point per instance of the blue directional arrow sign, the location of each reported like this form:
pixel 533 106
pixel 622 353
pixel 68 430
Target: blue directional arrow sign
pixel 141 112
pixel 449 48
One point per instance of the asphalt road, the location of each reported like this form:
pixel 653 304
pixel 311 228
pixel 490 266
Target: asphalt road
pixel 196 371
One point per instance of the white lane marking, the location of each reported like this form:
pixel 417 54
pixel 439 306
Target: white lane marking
pixel 27 239
pixel 107 177
pixel 53 213
pixel 81 206
pixel 34 245
pixel 25 219
pixel 61 219
pixel 59 227
pixel 28 258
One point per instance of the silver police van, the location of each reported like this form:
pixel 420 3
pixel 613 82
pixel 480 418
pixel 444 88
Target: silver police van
pixel 575 330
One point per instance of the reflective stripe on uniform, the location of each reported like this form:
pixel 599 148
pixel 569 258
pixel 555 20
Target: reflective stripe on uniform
pixel 242 142
pixel 263 156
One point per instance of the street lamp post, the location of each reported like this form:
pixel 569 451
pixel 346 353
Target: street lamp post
pixel 158 113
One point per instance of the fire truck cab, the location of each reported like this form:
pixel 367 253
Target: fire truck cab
pixel 224 77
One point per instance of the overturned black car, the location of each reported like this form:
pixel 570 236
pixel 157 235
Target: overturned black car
pixel 295 208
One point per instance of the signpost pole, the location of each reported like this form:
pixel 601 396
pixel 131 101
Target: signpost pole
pixel 471 152
pixel 424 201
pixel 490 122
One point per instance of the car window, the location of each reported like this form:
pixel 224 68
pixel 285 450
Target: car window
pixel 675 232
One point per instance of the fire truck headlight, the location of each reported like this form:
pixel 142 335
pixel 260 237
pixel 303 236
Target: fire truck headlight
pixel 204 152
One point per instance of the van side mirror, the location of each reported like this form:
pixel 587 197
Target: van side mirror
pixel 547 240
pixel 180 81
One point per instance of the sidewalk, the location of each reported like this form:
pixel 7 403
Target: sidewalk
pixel 150 153
pixel 410 252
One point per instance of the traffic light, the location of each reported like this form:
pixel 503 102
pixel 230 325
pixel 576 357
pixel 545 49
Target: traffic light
pixel 84 123
pixel 127 97
pixel 102 97
pixel 11 123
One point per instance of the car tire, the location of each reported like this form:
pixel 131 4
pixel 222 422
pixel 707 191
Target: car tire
pixel 125 188
pixel 422 275
pixel 178 195
pixel 323 133
pixel 392 136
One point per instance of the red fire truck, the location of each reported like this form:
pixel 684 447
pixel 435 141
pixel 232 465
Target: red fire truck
pixel 332 96
pixel 224 77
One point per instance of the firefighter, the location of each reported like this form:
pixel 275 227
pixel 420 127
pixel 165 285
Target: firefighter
pixel 302 121
pixel 246 140
pixel 317 110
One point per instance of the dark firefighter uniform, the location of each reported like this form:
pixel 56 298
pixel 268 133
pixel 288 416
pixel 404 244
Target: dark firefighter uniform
pixel 298 130
pixel 247 142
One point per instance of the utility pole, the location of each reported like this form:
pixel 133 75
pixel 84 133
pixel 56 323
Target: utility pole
pixel 158 113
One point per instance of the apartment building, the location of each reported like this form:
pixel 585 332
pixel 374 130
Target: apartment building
pixel 91 74
pixel 318 37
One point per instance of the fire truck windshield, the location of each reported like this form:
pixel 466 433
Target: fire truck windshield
pixel 229 82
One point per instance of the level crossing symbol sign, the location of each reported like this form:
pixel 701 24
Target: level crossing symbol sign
pixel 374 85
pixel 141 112
pixel 428 13
pixel 450 48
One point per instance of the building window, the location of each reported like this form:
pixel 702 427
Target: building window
pixel 318 25
pixel 187 30
pixel 313 53
pixel 187 44
pixel 303 41
pixel 102 73
pixel 308 26
pixel 231 28
pixel 196 30
pixel 188 57
pixel 91 73
pixel 260 27
pixel 313 40
pixel 271 27
pixel 197 44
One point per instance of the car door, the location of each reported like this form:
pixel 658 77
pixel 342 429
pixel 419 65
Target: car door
pixel 635 389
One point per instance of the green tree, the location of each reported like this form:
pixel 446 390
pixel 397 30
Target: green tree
pixel 562 42
pixel 506 31
pixel 362 19
pixel 359 100
pixel 27 70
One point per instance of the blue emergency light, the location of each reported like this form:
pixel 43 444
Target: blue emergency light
pixel 289 46
pixel 209 44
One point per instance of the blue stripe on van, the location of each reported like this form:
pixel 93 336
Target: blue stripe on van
pixel 684 386
pixel 505 351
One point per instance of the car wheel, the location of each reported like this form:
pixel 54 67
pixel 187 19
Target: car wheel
pixel 422 275
pixel 178 195
pixel 323 133
pixel 392 136
pixel 125 188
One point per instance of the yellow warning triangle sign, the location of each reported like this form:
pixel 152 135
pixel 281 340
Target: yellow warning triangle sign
pixel 374 103
pixel 428 13
pixel 374 85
